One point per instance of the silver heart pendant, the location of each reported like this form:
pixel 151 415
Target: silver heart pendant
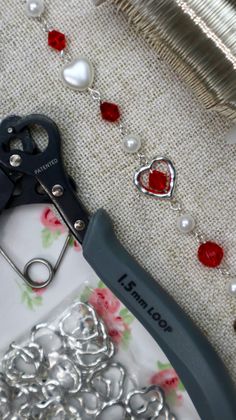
pixel 109 381
pixel 79 74
pixel 157 178
pixel 64 372
pixel 79 325
pixel 146 403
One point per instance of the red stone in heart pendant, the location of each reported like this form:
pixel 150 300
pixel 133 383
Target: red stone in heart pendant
pixel 157 178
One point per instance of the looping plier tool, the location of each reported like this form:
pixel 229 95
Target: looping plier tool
pixel 189 352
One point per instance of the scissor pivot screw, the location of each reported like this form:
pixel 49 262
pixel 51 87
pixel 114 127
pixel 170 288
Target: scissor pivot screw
pixel 10 130
pixel 79 225
pixel 15 160
pixel 57 190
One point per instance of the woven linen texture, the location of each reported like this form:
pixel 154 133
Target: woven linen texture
pixel 158 105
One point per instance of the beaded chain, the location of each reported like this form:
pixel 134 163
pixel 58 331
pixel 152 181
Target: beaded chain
pixel 156 177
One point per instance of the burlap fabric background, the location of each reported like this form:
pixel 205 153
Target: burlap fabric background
pixel 155 103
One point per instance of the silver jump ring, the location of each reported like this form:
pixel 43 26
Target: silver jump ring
pixel 176 205
pixel 200 237
pixel 95 94
pixel 225 272
pixel 123 129
pixel 142 159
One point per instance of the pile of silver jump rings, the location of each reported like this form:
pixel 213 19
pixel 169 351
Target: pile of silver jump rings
pixel 66 370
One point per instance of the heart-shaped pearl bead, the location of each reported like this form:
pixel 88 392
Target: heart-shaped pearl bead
pixel 79 74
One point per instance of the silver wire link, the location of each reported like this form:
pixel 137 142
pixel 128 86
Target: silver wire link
pixel 199 236
pixel 45 378
pixel 95 95
pixel 66 56
pixel 142 159
pixel 225 272
pixel 176 205
pixel 123 129
pixel 44 23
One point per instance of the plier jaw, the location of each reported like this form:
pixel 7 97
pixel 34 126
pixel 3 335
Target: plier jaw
pixel 17 189
pixel 43 169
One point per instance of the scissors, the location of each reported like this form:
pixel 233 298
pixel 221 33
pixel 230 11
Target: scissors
pixel 201 370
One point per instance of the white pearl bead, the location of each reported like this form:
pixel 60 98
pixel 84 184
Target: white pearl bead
pixel 79 74
pixel 34 8
pixel 186 223
pixel 232 287
pixel 131 143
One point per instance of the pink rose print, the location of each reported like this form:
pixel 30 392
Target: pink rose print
pixel 39 292
pixel 53 229
pixel 166 379
pixel 104 302
pixel 116 318
pixel 116 327
pixel 51 222
pixel 76 246
pixel 169 381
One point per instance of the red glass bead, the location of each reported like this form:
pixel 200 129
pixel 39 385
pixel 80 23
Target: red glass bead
pixel 110 112
pixel 56 40
pixel 210 254
pixel 158 181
